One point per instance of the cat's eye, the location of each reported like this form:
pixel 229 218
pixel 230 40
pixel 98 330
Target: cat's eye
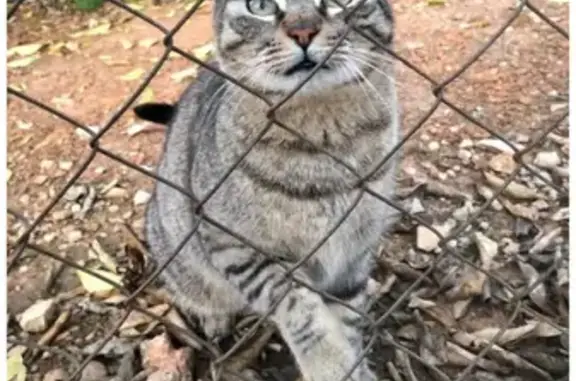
pixel 262 7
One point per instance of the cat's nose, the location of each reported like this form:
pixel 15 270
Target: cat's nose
pixel 302 31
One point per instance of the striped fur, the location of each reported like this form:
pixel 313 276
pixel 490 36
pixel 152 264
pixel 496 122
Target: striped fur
pixel 286 195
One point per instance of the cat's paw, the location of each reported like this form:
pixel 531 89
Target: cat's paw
pixel 216 327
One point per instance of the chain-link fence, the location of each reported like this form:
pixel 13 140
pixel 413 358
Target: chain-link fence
pixel 478 355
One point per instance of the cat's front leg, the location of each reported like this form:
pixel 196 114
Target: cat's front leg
pixel 354 324
pixel 313 333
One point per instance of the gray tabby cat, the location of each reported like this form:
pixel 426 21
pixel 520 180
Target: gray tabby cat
pixel 286 195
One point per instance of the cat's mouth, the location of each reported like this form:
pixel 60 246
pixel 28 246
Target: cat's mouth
pixel 305 65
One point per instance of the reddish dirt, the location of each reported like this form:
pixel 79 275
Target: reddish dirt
pixel 511 89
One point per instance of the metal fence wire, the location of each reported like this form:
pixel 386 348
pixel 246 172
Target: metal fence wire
pixel 376 333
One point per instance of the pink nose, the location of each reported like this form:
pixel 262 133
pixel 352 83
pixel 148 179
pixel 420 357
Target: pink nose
pixel 301 29
pixel 302 36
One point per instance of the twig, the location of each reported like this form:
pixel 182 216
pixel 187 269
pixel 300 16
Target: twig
pixel 393 371
pixel 246 356
pixel 46 348
pixel 53 274
pixel 406 365
pixel 55 328
pixel 49 335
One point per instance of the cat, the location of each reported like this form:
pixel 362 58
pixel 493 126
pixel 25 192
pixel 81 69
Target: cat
pixel 286 194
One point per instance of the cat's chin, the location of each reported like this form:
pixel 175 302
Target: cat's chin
pixel 324 80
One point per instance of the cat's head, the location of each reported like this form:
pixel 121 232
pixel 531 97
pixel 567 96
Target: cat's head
pixel 274 44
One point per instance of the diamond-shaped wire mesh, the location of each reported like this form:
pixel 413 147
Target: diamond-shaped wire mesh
pixel 471 355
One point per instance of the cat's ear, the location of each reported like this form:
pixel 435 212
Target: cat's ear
pixel 160 113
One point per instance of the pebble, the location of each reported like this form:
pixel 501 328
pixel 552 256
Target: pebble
pixel 502 163
pixel 416 206
pixel 497 145
pixel 94 371
pixel 433 146
pixel 46 164
pixel 487 249
pixel 39 180
pixel 465 156
pixel 427 240
pixel 116 192
pixel 466 143
pixel 74 236
pixel 65 165
pixel 561 214
pixel 547 159
pixel 38 316
pixel 60 215
pixel 113 208
pixel 56 375
pixel 141 197
pixel 75 192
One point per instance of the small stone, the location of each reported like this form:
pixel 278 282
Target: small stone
pixel 502 163
pixel 466 143
pixel 510 247
pixel 416 206
pixel 141 197
pixel 76 208
pixel 74 236
pixel 116 192
pixel 465 156
pixel 38 316
pixel 487 249
pixel 39 180
pixel 498 145
pixel 84 134
pixel 484 225
pixel 46 164
pixel 540 205
pixel 548 159
pixel 56 375
pixel 427 240
pixel 75 192
pixel 433 146
pixel 561 215
pixel 100 170
pixel 49 237
pixel 24 199
pixel 61 215
pixel 94 371
pixel 65 165
pixel 113 208
pixel 462 213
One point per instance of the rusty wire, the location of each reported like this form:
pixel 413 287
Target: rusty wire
pixel 437 89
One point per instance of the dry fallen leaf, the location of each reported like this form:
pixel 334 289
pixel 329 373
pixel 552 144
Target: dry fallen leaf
pixel 133 75
pixel 95 31
pixel 107 260
pixel 513 189
pixel 539 295
pixel 148 42
pixel 204 52
pixel 97 286
pixel 126 44
pixel 159 355
pixel 15 364
pixel 180 76
pixel 25 50
pixel 22 62
pixel 146 96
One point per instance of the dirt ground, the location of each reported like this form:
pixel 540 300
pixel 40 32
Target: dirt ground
pixel 517 88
